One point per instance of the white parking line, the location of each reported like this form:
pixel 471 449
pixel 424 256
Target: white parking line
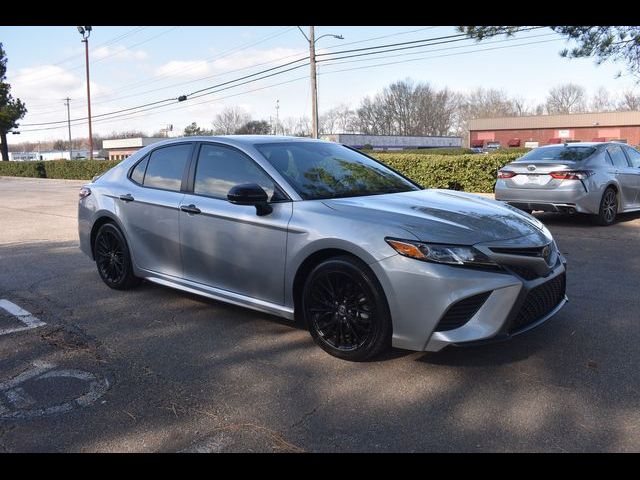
pixel 22 315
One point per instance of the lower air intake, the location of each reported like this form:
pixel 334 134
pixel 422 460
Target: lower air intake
pixel 461 312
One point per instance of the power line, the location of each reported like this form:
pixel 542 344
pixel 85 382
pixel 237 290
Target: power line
pixel 224 54
pixel 199 93
pixel 437 56
pixel 241 47
pixel 101 58
pixel 333 62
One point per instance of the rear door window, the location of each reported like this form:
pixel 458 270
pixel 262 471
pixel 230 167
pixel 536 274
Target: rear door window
pixel 166 167
pixel 617 156
pixel 634 156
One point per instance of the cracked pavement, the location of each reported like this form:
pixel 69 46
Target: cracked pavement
pixel 194 375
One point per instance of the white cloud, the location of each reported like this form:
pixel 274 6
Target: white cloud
pixel 179 68
pixel 220 66
pixel 118 52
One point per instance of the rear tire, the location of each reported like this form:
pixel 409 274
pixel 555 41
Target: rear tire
pixel 608 208
pixel 113 259
pixel 346 310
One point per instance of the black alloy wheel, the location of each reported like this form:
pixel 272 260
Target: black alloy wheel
pixel 345 309
pixel 112 258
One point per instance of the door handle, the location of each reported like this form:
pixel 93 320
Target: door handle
pixel 127 198
pixel 190 209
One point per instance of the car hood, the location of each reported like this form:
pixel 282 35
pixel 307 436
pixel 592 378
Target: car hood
pixel 445 216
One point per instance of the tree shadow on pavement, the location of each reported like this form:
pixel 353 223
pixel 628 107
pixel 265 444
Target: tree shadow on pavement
pixel 199 375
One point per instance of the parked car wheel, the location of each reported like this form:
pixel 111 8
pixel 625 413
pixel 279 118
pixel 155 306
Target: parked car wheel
pixel 608 208
pixel 346 310
pixel 113 259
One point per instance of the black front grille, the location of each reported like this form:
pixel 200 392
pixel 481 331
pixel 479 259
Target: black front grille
pixel 461 312
pixel 539 302
pixel 524 272
pixel 526 251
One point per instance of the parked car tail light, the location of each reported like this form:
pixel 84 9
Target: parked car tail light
pixel 84 192
pixel 572 175
pixel 506 174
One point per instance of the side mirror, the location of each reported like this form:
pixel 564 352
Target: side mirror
pixel 250 194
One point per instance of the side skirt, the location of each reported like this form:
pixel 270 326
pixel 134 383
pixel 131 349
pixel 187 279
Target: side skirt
pixel 218 294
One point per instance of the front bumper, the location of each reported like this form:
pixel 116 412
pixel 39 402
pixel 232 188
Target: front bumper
pixel 420 294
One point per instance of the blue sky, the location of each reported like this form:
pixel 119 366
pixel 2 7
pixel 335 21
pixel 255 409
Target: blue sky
pixel 132 66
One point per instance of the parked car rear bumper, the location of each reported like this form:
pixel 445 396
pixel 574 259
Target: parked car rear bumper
pixel 570 199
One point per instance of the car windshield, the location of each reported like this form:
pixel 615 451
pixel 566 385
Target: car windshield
pixel 574 154
pixel 328 170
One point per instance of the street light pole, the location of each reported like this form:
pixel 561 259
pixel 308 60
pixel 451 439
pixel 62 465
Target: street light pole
pixel 85 32
pixel 314 77
pixel 277 115
pixel 69 124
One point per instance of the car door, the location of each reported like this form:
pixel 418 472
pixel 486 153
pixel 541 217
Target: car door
pixel 150 207
pixel 625 175
pixel 634 159
pixel 229 246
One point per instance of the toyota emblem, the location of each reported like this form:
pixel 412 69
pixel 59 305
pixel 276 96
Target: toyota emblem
pixel 531 168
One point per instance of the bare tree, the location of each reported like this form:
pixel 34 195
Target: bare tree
pixel 629 101
pixel 483 103
pixel 601 101
pixel 340 119
pixel 407 108
pixel 566 98
pixel 230 120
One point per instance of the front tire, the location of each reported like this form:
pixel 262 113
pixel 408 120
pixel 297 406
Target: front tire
pixel 608 208
pixel 113 259
pixel 345 309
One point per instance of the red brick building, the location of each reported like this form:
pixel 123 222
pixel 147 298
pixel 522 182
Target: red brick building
pixel 547 129
pixel 121 148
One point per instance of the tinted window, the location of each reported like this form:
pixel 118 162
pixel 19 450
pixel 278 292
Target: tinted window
pixel 559 153
pixel 137 174
pixel 617 156
pixel 220 168
pixel 328 170
pixel 634 156
pixel 166 166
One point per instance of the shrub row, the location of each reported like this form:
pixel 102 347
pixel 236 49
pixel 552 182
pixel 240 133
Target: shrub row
pixel 75 169
pixel 469 172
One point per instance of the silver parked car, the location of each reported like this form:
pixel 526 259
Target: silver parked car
pixel 601 179
pixel 314 230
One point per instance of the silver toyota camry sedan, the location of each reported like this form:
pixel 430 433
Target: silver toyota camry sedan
pixel 314 230
pixel 600 179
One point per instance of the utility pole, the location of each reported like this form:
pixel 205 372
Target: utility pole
pixel 277 115
pixel 69 124
pixel 85 32
pixel 314 76
pixel 314 82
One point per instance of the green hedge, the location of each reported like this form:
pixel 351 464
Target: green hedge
pixel 75 169
pixel 22 169
pixel 471 173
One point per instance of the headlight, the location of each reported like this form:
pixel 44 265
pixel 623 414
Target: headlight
pixel 437 253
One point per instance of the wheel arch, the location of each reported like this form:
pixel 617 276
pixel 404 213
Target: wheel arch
pixel 102 218
pixel 315 258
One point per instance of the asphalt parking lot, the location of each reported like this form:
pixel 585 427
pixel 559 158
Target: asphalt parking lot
pixel 84 368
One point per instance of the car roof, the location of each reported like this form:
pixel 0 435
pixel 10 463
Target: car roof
pixel 240 140
pixel 581 144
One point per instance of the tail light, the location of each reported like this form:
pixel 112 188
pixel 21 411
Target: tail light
pixel 506 174
pixel 84 192
pixel 572 175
